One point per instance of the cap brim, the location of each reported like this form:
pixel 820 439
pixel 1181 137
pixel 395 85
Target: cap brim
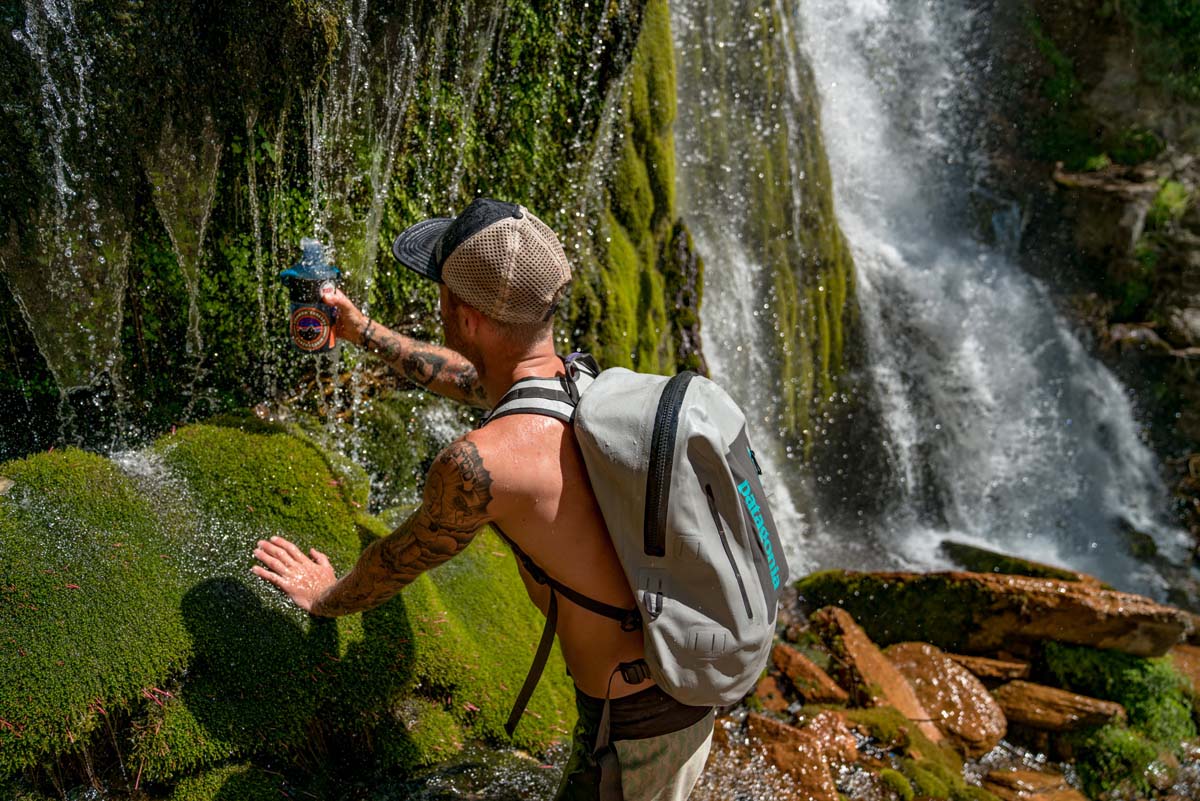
pixel 414 247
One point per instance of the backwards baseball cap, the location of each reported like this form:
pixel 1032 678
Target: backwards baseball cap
pixel 497 257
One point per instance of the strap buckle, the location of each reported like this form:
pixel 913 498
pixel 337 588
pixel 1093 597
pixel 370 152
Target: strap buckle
pixel 634 672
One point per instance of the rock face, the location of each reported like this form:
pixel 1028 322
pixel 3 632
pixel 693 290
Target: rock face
pixel 985 612
pixel 1030 785
pixel 1186 659
pixel 1051 709
pixel 806 754
pixel 769 695
pixel 812 683
pixel 959 704
pixel 865 673
pixel 986 668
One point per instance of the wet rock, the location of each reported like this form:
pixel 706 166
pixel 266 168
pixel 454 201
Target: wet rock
pixel 812 683
pixel 1029 785
pixel 983 612
pixel 1051 709
pixel 1183 324
pixel 865 673
pixel 986 668
pixel 982 560
pixel 959 704
pixel 770 696
pixel 1186 659
pixel 808 754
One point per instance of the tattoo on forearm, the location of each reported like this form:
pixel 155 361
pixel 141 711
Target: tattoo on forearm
pixel 437 369
pixel 457 494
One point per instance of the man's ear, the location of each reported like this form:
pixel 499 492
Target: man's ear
pixel 469 319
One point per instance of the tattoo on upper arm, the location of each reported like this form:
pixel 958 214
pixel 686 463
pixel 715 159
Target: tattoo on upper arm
pixel 458 490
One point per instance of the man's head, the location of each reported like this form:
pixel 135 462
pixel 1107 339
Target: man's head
pixel 496 258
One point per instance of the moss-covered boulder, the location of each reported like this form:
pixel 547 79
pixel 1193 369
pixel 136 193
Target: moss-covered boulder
pixel 90 590
pixel 129 601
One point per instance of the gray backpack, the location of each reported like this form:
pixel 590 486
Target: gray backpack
pixel 677 482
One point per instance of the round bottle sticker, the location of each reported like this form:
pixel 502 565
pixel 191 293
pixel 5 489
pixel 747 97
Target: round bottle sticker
pixel 310 328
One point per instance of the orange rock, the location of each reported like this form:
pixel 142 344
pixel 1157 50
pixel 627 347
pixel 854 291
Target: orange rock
pixel 1029 785
pixel 769 695
pixel 1186 659
pixel 959 704
pixel 812 683
pixel 986 668
pixel 1051 709
pixel 866 673
pixel 806 755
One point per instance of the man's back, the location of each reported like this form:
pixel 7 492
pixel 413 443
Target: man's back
pixel 543 502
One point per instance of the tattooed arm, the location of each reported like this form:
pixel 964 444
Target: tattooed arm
pixel 436 368
pixel 457 494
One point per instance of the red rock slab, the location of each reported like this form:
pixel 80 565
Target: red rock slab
pixel 1051 709
pixel 1186 659
pixel 986 668
pixel 807 755
pixel 961 707
pixel 865 673
pixel 1029 785
pixel 812 683
pixel 769 695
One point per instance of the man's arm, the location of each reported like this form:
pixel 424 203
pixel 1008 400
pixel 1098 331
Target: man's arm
pixel 434 367
pixel 455 506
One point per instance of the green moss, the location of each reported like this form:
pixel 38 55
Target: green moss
pixel 982 560
pixel 230 783
pixel 926 781
pixel 895 781
pixel 423 733
pixel 1154 694
pixel 1169 204
pixel 89 599
pixel 930 609
pixel 1111 757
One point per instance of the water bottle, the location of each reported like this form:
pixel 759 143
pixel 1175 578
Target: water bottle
pixel 311 321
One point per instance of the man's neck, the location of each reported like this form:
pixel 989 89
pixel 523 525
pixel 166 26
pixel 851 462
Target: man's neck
pixel 501 373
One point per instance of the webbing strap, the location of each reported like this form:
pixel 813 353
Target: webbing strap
pixel 539 665
pixel 630 619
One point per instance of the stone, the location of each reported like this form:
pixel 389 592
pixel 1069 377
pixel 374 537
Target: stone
pixel 1183 324
pixel 866 674
pixel 986 668
pixel 984 612
pixel 812 683
pixel 769 695
pixel 5 485
pixel 808 754
pixel 959 704
pixel 1050 709
pixel 1029 785
pixel 981 560
pixel 1186 659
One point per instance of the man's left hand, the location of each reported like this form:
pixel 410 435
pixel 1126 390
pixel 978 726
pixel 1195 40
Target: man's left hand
pixel 304 579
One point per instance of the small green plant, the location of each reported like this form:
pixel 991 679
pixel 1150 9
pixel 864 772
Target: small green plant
pixel 1169 204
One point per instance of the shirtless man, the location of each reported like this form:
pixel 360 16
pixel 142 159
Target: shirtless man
pixel 502 272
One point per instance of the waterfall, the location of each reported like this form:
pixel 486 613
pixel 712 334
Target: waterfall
pixel 1002 429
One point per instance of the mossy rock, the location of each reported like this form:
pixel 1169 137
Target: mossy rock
pixel 931 609
pixel 897 782
pixel 230 783
pixel 1155 695
pixel 89 603
pixel 1112 758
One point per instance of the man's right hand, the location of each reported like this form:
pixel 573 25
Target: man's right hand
pixel 350 321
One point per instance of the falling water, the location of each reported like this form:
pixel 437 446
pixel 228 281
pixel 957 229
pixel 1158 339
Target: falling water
pixel 1003 430
pixel 182 171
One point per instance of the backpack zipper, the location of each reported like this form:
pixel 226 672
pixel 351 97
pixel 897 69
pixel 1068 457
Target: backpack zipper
pixel 662 452
pixel 712 507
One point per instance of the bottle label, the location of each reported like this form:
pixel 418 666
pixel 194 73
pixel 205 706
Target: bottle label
pixel 312 327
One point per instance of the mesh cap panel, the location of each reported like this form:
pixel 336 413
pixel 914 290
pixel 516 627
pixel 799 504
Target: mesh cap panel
pixel 514 270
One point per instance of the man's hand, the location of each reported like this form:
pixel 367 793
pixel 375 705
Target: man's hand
pixel 303 579
pixel 350 321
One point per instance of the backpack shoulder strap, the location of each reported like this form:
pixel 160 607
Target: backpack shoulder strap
pixel 551 397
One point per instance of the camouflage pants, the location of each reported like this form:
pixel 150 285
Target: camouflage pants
pixel 653 766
